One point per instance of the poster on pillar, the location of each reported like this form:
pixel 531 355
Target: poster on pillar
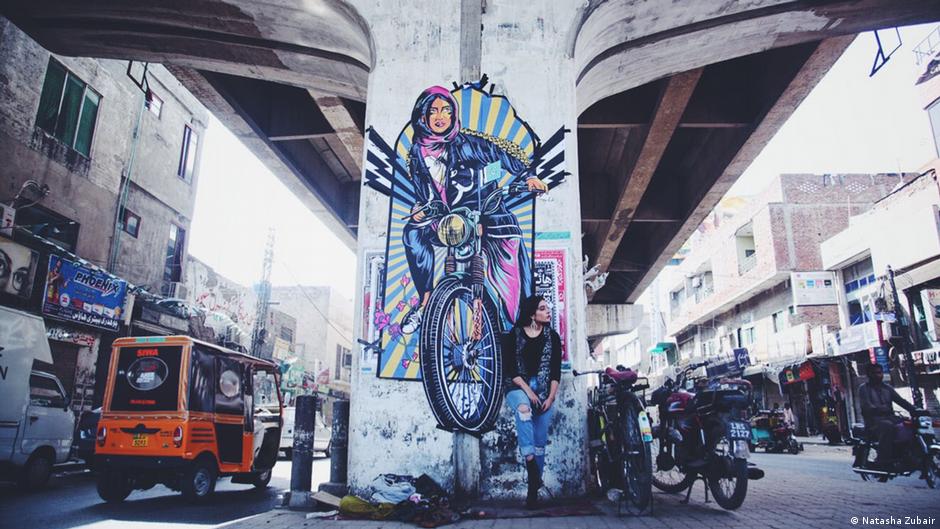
pixel 463 175
pixel 549 277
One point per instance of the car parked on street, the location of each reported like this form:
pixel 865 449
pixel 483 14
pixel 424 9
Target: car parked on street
pixel 321 434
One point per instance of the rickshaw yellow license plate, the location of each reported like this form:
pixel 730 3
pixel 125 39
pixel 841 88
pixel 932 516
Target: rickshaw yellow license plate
pixel 139 441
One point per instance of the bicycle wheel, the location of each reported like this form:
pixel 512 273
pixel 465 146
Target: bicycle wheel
pixel 666 474
pixel 462 377
pixel 637 464
pixel 600 458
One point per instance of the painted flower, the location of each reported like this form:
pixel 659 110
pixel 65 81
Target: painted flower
pixel 394 330
pixel 381 319
pixel 401 306
pixel 414 301
pixel 405 280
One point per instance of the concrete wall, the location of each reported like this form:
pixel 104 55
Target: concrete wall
pixel 523 52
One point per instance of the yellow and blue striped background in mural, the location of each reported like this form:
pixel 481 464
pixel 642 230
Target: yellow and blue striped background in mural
pixel 480 112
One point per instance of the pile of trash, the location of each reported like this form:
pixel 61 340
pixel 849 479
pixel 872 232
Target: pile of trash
pixel 402 498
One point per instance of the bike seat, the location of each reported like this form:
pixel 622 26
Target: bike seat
pixel 628 375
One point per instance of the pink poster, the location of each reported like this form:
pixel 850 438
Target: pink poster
pixel 550 272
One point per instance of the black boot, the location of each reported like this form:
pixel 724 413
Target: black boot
pixel 535 483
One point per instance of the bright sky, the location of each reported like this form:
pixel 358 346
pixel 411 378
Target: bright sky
pixel 853 123
pixel 849 123
pixel 237 200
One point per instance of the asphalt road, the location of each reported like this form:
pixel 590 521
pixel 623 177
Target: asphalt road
pixel 71 501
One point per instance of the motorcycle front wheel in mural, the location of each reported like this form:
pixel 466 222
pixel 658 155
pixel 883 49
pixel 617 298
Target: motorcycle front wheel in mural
pixel 462 178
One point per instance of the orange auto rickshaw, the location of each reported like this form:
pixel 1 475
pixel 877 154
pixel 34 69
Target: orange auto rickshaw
pixel 183 413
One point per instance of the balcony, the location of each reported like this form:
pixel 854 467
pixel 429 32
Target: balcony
pixel 747 263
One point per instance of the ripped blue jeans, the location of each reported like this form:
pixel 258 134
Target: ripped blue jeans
pixel 531 427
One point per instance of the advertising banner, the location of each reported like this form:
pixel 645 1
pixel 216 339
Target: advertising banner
pixel 79 294
pixel 813 288
pixel 549 272
pixel 17 268
pixel 931 301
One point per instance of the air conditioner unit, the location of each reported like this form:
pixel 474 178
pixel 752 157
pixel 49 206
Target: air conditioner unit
pixel 696 281
pixel 174 290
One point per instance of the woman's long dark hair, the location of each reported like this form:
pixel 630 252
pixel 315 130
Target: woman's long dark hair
pixel 527 310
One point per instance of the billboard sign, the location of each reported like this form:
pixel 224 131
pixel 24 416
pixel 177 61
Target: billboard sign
pixel 17 268
pixel 79 294
pixel 813 288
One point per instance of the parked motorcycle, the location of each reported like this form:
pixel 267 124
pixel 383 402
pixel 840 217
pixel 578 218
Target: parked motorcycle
pixel 770 432
pixel 915 444
pixel 702 432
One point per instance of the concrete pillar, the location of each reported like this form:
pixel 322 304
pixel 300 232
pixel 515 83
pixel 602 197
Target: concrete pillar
pixel 524 50
pixel 339 450
pixel 301 474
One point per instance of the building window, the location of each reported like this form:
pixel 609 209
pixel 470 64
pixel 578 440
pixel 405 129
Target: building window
pixel 746 336
pixel 287 334
pixel 860 285
pixel 172 270
pixel 933 112
pixel 154 104
pixel 130 222
pixel 781 320
pixel 343 361
pixel 49 225
pixel 188 154
pixel 68 108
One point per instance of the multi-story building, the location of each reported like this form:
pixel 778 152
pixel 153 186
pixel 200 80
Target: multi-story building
pixel 324 333
pixel 98 178
pixel 901 231
pixel 756 282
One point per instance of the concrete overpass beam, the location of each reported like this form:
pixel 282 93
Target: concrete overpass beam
pixel 610 320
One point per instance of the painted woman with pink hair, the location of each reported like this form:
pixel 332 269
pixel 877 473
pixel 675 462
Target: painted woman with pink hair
pixel 444 164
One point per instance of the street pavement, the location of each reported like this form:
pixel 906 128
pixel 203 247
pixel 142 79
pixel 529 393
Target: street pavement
pixel 71 501
pixel 815 489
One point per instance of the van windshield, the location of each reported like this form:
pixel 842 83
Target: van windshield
pixel 147 378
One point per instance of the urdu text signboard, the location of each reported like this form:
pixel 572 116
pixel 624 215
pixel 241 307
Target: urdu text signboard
pixel 79 294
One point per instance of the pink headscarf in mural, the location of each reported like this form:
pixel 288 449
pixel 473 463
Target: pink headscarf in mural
pixel 431 143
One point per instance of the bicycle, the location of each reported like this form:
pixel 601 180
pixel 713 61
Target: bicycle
pixel 619 435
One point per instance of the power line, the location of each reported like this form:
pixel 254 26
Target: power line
pixel 314 304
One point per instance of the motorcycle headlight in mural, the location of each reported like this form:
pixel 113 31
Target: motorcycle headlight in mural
pixel 453 230
pixel 443 309
pixel 146 374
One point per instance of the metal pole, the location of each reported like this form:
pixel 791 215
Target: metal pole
pixel 301 473
pixel 903 332
pixel 339 450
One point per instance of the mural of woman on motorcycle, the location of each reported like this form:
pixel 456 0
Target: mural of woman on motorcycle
pixel 462 177
pixel 445 165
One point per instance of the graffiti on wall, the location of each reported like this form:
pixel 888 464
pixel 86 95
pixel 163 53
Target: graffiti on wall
pixel 549 271
pixel 463 176
pixel 373 312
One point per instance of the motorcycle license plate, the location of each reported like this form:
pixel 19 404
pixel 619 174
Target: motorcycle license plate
pixel 738 430
pixel 139 441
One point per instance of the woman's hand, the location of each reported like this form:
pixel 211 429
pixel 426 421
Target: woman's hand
pixel 548 403
pixel 535 184
pixel 533 398
pixel 416 215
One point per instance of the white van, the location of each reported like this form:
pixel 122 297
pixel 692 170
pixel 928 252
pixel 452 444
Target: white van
pixel 36 423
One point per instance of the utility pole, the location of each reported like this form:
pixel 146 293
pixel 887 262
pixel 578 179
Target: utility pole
pixel 901 335
pixel 259 332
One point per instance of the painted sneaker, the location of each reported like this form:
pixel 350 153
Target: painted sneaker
pixel 412 321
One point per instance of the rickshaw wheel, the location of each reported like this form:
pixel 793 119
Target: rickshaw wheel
pixel 113 486
pixel 261 479
pixel 199 480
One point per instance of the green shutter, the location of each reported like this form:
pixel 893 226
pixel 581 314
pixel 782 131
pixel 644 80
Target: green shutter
pixel 86 124
pixel 68 114
pixel 51 96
